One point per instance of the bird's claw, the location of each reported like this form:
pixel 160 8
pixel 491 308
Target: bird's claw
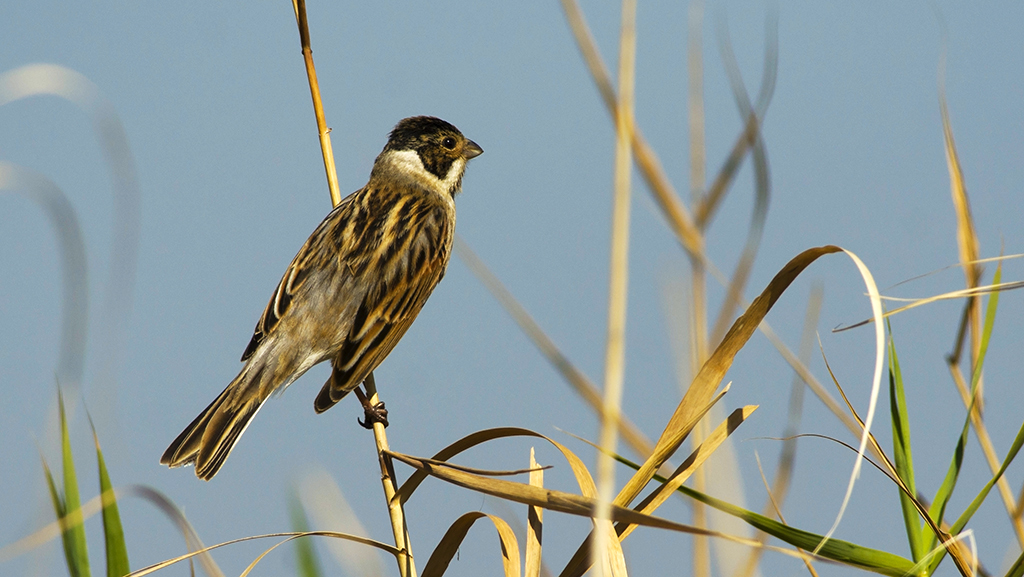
pixel 374 414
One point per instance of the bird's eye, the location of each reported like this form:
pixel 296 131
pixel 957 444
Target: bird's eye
pixel 448 143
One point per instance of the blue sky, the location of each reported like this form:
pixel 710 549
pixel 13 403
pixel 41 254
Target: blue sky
pixel 214 102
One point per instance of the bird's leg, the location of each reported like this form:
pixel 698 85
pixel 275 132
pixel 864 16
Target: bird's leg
pixel 372 413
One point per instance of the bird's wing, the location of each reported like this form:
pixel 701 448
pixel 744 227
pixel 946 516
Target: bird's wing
pixel 310 258
pixel 385 314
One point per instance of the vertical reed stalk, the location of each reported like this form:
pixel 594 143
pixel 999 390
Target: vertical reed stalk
pixel 406 566
pixel 619 276
pixel 698 273
pixel 318 105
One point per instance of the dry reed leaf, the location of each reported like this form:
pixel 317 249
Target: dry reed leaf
pixel 452 540
pixel 966 236
pixel 288 537
pixel 980 261
pixel 695 84
pixel 692 463
pixel 951 295
pixel 563 502
pixel 438 462
pixel 580 561
pixel 711 373
pixel 968 245
pixel 583 478
pixel 549 499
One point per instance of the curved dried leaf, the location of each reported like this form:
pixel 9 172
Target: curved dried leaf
pixel 550 499
pixel 583 478
pixel 957 294
pixel 175 514
pixel 452 540
pixel 571 504
pixel 288 537
pixel 299 535
pixel 704 384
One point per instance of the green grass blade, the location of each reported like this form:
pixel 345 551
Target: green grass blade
pixel 73 532
pixel 904 461
pixel 308 564
pixel 986 334
pixel 978 500
pixel 938 508
pixel 113 532
pixel 881 562
pixel 844 552
pixel 58 501
pixel 986 331
pixel 966 516
pixel 1017 569
pixel 60 510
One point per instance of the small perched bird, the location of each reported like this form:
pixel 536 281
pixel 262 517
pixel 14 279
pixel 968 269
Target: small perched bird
pixel 352 291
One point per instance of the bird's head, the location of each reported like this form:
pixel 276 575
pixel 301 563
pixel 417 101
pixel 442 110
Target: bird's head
pixel 429 151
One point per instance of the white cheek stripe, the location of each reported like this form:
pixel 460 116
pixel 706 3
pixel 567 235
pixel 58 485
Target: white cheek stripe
pixel 454 174
pixel 408 161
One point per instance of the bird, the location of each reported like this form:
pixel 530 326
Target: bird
pixel 350 293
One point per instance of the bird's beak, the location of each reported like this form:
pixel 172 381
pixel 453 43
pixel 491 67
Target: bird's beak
pixel 472 150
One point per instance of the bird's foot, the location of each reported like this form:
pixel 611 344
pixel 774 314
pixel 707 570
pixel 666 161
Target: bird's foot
pixel 374 414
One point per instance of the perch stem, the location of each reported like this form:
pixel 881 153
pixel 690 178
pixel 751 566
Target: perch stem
pixel 406 564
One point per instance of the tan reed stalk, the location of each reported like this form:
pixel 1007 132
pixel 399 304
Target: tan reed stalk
pixel 698 274
pixel 618 283
pixel 318 105
pixel 406 566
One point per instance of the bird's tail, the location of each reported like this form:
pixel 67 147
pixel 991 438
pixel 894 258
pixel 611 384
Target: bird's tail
pixel 208 440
